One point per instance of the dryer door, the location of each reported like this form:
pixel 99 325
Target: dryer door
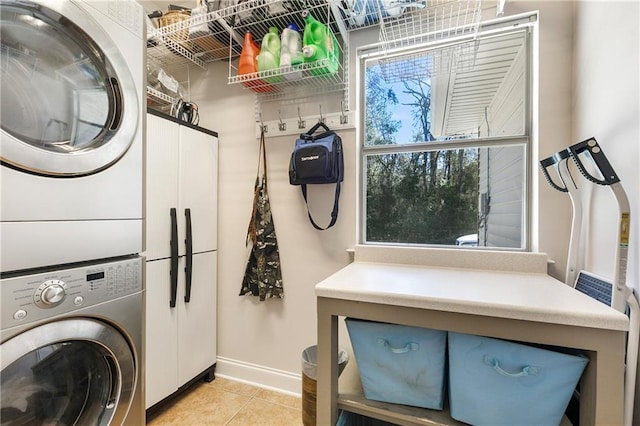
pixel 69 104
pixel 69 372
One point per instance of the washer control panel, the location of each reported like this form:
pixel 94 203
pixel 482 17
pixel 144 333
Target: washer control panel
pixel 32 297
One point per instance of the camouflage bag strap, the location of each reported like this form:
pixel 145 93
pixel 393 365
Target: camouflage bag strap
pixel 263 151
pixel 262 157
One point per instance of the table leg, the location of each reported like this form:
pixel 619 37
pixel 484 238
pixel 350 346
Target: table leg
pixel 327 377
pixel 601 396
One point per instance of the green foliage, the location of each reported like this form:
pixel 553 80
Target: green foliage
pixel 427 197
pixel 406 205
pixel 380 128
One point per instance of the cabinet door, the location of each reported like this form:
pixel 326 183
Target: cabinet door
pixel 197 323
pixel 199 187
pixel 161 353
pixel 161 185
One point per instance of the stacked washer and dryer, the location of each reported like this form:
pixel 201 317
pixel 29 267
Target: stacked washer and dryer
pixel 71 147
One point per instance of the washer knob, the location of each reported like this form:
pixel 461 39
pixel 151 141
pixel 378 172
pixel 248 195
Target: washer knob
pixel 50 293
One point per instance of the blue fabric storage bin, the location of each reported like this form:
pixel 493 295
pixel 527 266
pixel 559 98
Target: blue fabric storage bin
pixel 496 382
pixel 400 364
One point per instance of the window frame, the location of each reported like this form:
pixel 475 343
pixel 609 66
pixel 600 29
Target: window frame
pixel 525 22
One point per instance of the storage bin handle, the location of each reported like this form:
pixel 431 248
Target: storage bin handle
pixel 411 346
pixel 529 370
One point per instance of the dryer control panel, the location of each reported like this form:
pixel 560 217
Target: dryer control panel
pixel 46 293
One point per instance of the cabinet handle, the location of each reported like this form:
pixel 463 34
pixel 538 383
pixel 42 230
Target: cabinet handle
pixel 189 268
pixel 411 346
pixel 528 370
pixel 174 258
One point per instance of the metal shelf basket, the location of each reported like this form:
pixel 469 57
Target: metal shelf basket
pixel 437 20
pixel 430 63
pixel 256 17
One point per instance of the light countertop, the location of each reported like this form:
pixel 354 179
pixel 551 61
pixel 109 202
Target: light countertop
pixel 531 296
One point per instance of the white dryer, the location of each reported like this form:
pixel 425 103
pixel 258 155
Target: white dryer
pixel 71 139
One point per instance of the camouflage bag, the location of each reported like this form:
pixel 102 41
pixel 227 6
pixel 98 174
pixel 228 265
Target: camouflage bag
pixel 263 276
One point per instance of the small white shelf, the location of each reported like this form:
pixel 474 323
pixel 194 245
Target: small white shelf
pixel 159 97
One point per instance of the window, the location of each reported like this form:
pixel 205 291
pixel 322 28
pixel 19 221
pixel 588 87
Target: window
pixel 445 140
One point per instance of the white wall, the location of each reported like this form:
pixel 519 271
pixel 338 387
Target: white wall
pixel 551 211
pixel 607 107
pixel 554 131
pixel 262 342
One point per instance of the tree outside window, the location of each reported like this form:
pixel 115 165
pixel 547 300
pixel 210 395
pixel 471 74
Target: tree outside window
pixel 444 149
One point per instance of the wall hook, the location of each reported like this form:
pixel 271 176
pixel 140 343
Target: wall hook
pixel 263 126
pixel 343 117
pixel 281 126
pixel 321 119
pixel 301 122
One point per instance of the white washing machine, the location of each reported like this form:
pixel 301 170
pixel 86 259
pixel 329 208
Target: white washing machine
pixel 72 345
pixel 71 139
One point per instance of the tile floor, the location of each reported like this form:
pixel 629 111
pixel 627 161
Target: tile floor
pixel 226 402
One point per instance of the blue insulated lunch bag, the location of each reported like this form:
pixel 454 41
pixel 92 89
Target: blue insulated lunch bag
pixel 318 159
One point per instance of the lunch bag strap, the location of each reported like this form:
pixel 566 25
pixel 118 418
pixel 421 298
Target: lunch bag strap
pixel 312 130
pixel 334 213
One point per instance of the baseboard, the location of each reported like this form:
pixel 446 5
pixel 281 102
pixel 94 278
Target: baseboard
pixel 259 375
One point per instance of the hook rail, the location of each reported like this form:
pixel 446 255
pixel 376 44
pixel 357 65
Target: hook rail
pixel 296 125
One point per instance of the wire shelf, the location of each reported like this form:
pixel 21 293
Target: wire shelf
pixel 402 25
pixel 284 79
pixel 170 54
pixel 219 36
pixel 437 20
pixel 160 101
pixel 433 23
pixel 358 15
pixel 158 96
pixel 256 17
pixel 176 44
pixel 430 63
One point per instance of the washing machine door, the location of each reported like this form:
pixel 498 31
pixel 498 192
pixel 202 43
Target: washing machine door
pixel 69 103
pixel 69 372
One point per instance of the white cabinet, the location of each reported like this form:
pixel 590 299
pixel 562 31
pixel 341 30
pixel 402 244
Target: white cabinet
pixel 181 253
pixel 181 341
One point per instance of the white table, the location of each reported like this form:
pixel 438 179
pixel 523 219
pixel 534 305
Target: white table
pixel 524 306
